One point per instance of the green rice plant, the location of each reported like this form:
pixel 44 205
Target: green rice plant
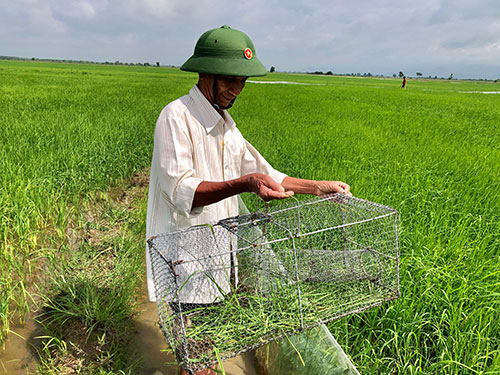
pixel 430 151
pixel 432 155
pixel 66 134
pixel 89 300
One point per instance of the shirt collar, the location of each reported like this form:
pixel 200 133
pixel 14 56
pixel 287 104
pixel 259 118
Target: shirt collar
pixel 210 118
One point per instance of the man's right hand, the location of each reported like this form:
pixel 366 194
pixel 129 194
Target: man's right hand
pixel 265 187
pixel 209 192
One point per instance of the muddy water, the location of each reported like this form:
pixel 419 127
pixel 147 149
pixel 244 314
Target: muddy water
pixel 150 343
pixel 149 340
pixel 18 355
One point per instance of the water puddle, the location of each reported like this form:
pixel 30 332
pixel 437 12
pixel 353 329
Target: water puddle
pixel 149 340
pixel 18 355
pixel 480 92
pixel 151 344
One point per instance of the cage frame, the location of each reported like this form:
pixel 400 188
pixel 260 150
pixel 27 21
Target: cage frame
pixel 263 216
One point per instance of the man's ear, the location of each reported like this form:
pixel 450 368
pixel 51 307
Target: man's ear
pixel 203 76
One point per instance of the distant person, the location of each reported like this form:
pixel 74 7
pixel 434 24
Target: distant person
pixel 404 82
pixel 201 161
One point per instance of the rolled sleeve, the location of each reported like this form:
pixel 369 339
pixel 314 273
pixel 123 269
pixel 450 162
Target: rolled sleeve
pixel 184 196
pixel 277 175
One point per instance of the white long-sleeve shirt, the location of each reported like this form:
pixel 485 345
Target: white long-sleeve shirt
pixel 194 143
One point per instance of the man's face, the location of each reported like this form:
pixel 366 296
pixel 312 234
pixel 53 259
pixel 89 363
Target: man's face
pixel 228 88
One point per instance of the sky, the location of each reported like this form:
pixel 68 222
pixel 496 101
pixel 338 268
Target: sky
pixel 434 37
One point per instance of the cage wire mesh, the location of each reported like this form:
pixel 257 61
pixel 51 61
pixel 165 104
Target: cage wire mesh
pixel 226 288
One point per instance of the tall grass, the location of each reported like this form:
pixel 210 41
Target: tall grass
pixel 430 151
pixel 67 132
pixel 434 156
pixel 89 300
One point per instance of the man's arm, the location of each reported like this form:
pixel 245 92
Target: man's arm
pixel 301 186
pixel 209 192
pixel 253 161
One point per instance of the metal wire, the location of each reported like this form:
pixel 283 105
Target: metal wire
pixel 254 278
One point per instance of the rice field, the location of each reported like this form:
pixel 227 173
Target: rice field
pixel 70 132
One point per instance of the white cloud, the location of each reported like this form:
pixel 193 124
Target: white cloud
pixel 377 36
pixel 73 9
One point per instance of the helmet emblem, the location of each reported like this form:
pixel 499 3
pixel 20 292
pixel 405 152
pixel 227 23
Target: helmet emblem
pixel 248 54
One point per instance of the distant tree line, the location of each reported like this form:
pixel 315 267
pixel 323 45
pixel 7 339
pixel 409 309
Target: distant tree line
pixel 117 62
pixel 329 73
pixel 272 69
pixel 419 75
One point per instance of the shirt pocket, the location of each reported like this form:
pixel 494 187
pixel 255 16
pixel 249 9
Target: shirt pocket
pixel 235 147
pixel 233 158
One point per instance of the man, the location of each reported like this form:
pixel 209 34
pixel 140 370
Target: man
pixel 200 159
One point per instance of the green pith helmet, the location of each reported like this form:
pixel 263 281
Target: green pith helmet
pixel 225 51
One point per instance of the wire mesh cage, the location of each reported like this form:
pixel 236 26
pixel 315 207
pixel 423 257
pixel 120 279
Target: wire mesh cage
pixel 226 288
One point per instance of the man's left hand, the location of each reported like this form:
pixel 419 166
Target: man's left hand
pixel 330 187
